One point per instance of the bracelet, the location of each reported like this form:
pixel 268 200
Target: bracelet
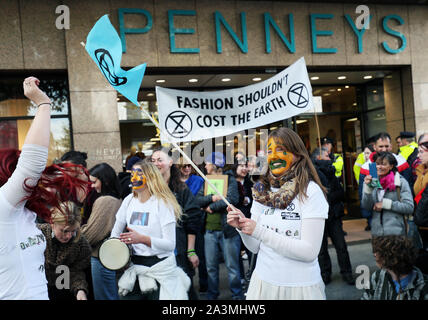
pixel 192 250
pixel 191 254
pixel 49 103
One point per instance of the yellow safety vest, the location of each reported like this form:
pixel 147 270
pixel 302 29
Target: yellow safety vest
pixel 407 150
pixel 338 164
pixel 357 166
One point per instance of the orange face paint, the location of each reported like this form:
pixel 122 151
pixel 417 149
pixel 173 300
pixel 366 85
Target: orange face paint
pixel 138 179
pixel 279 160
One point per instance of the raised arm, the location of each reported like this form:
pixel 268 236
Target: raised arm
pixel 34 154
pixel 40 128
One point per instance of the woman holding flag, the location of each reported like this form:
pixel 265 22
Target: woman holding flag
pixel 286 225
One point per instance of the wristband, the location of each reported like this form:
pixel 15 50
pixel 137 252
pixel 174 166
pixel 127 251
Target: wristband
pixel 49 103
pixel 191 254
pixel 191 250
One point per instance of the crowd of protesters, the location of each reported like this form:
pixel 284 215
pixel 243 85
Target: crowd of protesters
pixel 278 221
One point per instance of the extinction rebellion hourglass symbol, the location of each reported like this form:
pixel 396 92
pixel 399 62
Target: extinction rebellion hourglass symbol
pixel 106 64
pixel 298 95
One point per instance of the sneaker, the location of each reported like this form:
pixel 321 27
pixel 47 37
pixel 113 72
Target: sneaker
pixel 348 278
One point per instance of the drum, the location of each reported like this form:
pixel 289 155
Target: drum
pixel 114 254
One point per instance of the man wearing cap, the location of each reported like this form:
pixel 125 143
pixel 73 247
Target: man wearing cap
pixel 336 158
pixel 361 159
pixel 408 148
pixel 218 234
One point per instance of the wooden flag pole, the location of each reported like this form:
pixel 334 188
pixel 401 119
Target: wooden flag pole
pixel 185 156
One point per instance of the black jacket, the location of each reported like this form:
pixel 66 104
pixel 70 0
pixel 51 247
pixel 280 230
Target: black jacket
pixel 220 206
pixel 421 213
pixel 125 181
pixel 335 194
pixel 191 219
pixel 245 191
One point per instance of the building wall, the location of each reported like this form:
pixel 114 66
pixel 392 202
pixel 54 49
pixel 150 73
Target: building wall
pixel 29 39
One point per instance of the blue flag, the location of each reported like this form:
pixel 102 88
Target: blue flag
pixel 105 48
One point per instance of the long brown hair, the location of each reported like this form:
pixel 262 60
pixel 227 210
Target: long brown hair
pixel 304 170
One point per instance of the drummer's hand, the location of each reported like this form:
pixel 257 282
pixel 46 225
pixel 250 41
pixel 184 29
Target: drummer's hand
pixel 81 295
pixel 130 237
pixel 133 237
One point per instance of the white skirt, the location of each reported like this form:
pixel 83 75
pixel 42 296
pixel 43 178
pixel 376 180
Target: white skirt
pixel 261 290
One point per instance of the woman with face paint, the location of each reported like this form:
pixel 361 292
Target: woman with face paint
pixel 150 214
pixel 286 225
pixel 188 227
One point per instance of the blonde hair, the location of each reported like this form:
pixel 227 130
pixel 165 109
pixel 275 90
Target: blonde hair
pixel 68 214
pixel 158 187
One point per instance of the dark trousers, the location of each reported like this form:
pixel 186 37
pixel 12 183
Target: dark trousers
pixel 202 268
pixel 333 229
pixel 136 294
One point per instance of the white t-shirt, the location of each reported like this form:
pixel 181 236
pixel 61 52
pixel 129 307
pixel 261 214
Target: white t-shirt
pixel 152 218
pixel 278 269
pixel 22 244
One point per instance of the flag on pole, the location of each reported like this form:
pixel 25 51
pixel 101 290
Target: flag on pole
pixel 105 48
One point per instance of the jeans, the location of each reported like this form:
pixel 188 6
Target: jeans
pixel 104 281
pixel 368 215
pixel 214 241
pixel 413 234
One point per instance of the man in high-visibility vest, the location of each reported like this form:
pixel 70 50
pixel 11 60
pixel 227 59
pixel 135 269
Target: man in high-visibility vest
pixel 336 158
pixel 363 157
pixel 408 148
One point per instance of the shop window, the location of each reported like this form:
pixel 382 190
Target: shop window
pixel 375 98
pixel 17 113
pixel 8 134
pixel 337 98
pixel 375 122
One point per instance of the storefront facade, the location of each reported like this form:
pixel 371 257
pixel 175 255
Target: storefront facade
pixel 177 39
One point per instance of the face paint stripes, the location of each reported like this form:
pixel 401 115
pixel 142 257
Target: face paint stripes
pixel 279 160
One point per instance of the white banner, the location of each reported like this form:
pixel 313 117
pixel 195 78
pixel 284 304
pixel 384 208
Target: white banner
pixel 189 115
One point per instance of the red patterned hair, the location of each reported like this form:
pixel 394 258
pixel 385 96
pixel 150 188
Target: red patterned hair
pixel 58 183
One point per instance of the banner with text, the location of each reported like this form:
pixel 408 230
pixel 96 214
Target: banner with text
pixel 189 115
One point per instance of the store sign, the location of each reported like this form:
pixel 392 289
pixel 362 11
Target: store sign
pixel 270 26
pixel 190 115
